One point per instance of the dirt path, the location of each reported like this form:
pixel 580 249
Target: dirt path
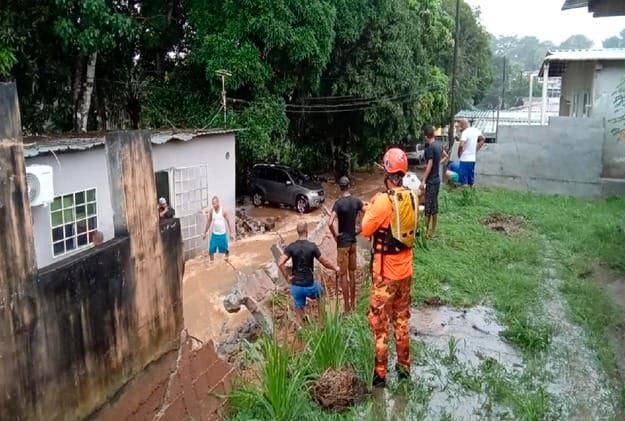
pixel 577 379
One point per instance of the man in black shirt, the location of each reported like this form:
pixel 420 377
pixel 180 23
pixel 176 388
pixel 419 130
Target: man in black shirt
pixel 434 155
pixel 346 209
pixel 303 285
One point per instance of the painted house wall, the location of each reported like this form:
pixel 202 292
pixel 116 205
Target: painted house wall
pixel 578 77
pixel 81 170
pixel 201 150
pixel 73 171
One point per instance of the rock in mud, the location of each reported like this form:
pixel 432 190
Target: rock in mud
pixel 338 390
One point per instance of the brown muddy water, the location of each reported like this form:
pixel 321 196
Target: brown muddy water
pixel 447 341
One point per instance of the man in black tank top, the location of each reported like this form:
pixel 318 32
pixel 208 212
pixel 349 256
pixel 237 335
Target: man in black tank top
pixel 346 209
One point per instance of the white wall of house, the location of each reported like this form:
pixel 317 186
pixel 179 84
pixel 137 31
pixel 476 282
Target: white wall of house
pixel 72 172
pixel 210 149
pixel 608 78
pixel 577 81
pixel 83 170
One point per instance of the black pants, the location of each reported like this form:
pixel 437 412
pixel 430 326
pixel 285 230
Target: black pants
pixel 431 199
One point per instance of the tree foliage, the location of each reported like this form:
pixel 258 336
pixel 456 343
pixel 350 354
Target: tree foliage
pixel 310 80
pixel 617 41
pixel 576 42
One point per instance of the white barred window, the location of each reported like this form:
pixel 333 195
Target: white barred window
pixel 74 219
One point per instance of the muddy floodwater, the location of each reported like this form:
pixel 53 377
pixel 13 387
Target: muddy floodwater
pixel 447 343
pixel 474 332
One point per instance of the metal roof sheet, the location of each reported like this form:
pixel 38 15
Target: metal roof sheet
pixel 37 145
pixel 574 4
pixel 561 57
pixel 486 120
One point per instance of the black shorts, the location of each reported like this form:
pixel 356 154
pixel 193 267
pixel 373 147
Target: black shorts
pixel 431 199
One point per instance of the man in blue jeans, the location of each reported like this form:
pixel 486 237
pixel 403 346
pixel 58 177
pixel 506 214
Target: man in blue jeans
pixel 303 285
pixel 471 141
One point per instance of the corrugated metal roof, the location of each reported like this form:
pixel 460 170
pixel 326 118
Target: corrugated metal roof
pixel 486 120
pixel 574 4
pixel 560 58
pixel 37 145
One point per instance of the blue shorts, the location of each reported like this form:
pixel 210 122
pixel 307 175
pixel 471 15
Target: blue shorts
pixel 454 166
pixel 301 293
pixel 218 244
pixel 466 175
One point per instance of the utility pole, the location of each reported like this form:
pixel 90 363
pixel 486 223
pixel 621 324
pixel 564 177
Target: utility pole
pixel 502 99
pixel 531 100
pixel 223 74
pixel 452 102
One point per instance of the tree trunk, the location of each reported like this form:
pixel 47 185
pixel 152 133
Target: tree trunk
pixel 83 103
pixel 99 102
pixel 79 70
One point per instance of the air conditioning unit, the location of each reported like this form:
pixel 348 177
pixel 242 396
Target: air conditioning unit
pixel 40 184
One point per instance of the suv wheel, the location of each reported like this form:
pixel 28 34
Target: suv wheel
pixel 301 204
pixel 257 198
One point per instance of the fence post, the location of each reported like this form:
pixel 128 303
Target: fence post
pixel 18 265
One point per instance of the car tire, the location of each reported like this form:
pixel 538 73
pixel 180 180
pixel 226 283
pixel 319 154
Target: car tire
pixel 301 204
pixel 257 198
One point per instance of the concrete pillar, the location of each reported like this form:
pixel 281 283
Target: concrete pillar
pixel 134 201
pixel 18 266
pixel 543 109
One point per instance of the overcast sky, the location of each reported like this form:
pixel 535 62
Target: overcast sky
pixel 545 20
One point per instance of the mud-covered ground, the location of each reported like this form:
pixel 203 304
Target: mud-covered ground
pixel 206 284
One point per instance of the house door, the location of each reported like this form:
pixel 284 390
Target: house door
pixel 190 196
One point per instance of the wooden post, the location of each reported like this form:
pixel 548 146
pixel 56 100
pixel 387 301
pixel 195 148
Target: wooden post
pixel 18 265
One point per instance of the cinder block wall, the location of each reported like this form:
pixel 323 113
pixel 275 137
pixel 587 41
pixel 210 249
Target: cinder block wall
pixel 564 157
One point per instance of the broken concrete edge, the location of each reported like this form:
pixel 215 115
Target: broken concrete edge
pixel 180 376
pixel 112 399
pixel 187 346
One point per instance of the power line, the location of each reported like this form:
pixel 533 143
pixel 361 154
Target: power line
pixel 363 107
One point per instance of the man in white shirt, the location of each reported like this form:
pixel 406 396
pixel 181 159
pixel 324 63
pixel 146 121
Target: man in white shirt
pixel 219 221
pixel 471 141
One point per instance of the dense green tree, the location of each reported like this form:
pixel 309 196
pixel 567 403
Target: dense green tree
pixel 526 52
pixel 576 42
pixel 310 80
pixel 617 41
pixel 474 57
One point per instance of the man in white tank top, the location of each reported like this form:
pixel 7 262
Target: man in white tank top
pixel 219 222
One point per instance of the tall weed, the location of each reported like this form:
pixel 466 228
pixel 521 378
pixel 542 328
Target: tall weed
pixel 280 394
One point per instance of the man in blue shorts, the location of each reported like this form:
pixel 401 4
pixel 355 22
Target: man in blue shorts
pixel 218 221
pixel 303 285
pixel 471 141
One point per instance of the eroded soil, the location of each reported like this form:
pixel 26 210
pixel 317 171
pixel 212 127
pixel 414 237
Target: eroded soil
pixel 507 224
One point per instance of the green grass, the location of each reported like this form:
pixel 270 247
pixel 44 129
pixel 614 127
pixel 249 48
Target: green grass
pixel 469 264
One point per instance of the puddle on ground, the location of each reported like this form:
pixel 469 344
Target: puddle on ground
pixel 474 336
pixel 474 329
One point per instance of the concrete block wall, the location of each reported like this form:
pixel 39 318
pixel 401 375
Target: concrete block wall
pixel 564 157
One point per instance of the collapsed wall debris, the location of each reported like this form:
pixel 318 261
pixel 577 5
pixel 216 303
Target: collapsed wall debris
pixel 247 225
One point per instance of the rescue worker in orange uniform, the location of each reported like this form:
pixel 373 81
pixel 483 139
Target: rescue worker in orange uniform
pixel 391 274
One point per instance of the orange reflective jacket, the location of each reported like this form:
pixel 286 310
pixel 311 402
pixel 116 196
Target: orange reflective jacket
pixel 378 215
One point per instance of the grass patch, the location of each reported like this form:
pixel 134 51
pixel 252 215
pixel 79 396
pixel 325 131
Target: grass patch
pixel 468 264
